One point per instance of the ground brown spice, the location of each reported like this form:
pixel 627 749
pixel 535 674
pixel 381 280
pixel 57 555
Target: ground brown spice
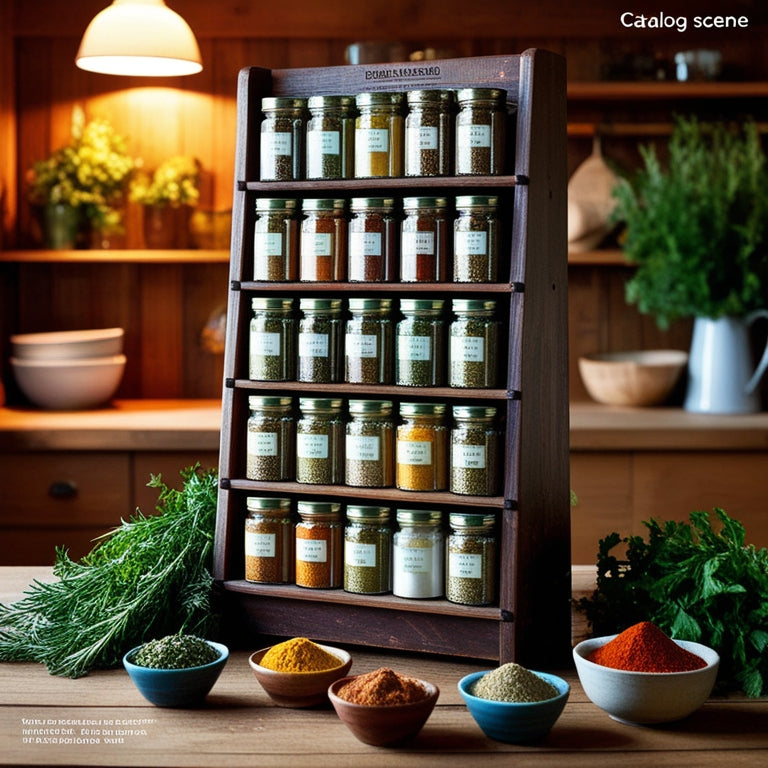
pixel 382 688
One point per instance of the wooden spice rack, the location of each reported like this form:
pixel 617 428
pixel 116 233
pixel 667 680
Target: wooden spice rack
pixel 531 623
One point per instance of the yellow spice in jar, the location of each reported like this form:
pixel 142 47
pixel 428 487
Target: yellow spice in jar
pixel 299 655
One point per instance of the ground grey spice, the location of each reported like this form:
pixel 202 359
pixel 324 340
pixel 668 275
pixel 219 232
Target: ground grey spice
pixel 512 682
pixel 175 652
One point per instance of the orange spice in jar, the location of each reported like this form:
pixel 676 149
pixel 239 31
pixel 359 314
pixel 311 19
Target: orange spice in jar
pixel 323 245
pixel 269 541
pixel 319 545
pixel 421 448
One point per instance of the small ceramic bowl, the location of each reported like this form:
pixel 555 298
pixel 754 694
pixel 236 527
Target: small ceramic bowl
pixel 178 688
pixel 68 345
pixel 299 689
pixel 515 722
pixel 385 725
pixel 645 698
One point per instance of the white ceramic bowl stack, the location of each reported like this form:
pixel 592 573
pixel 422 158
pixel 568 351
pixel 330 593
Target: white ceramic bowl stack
pixel 69 370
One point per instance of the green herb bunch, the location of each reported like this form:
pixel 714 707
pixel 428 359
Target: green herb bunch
pixel 695 583
pixel 175 182
pixel 148 578
pixel 697 231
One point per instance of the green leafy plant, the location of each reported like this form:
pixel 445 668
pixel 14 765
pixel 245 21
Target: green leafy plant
pixel 175 182
pixel 695 583
pixel 697 230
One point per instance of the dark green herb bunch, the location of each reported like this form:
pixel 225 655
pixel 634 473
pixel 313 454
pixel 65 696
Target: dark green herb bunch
pixel 695 583
pixel 148 578
pixel 698 229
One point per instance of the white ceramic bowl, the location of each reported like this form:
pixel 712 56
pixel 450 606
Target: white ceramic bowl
pixel 68 345
pixel 69 384
pixel 645 698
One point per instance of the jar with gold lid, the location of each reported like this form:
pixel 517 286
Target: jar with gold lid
pixel 319 545
pixel 269 541
pixel 379 135
pixel 282 138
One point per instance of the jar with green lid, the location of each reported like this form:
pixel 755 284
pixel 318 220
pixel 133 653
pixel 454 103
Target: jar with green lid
pixel 475 455
pixel 373 240
pixel 379 135
pixel 276 240
pixel 369 446
pixel 282 138
pixel 320 441
pixel 424 240
pixel 270 542
pixel 319 545
pixel 474 340
pixel 368 341
pixel 367 550
pixel 480 131
pixel 421 448
pixel 420 358
pixel 470 567
pixel 418 554
pixel 476 239
pixel 320 341
pixel 330 137
pixel 429 133
pixel 270 442
pixel 272 353
pixel 323 245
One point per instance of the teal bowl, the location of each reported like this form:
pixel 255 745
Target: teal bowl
pixel 180 688
pixel 515 722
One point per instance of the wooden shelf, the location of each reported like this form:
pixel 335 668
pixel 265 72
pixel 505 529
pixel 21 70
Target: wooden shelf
pixel 639 91
pixel 137 256
pixel 599 256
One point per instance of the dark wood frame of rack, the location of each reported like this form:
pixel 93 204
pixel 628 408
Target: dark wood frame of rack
pixel 531 623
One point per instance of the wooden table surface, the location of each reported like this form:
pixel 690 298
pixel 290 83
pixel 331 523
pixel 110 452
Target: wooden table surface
pixel 102 720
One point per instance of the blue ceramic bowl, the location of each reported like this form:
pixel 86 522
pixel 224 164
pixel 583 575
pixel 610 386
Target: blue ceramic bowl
pixel 176 687
pixel 515 722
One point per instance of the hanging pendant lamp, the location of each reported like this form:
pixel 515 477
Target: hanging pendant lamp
pixel 139 37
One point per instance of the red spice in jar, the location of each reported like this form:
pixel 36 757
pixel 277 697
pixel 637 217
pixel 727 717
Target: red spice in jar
pixel 644 647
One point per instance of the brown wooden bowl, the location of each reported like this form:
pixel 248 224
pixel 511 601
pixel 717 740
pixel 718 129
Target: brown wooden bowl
pixel 385 725
pixel 299 689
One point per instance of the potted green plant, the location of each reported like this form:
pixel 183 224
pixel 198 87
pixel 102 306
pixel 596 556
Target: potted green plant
pixel 697 233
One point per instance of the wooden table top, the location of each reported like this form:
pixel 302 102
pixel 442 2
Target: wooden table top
pixel 42 719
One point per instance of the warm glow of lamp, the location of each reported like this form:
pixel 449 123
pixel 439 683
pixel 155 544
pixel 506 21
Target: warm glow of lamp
pixel 139 37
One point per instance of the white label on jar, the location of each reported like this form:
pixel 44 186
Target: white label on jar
pixel 277 143
pixel 469 349
pixel 313 345
pixel 474 136
pixel 311 446
pixel 268 244
pixel 315 244
pixel 365 243
pixel 427 137
pixel 415 560
pixel 265 344
pixel 361 345
pixel 322 143
pixel 363 448
pixel 312 550
pixel 361 555
pixel 468 456
pixel 418 243
pixel 262 443
pixel 372 139
pixel 414 347
pixel 259 544
pixel 471 243
pixel 414 452
pixel 465 566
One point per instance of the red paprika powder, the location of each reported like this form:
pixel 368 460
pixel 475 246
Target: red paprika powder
pixel 644 647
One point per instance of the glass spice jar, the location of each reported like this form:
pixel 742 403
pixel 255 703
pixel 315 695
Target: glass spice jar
pixel 270 542
pixel 276 240
pixel 367 550
pixel 270 451
pixel 330 137
pixel 480 129
pixel 429 128
pixel 369 445
pixel 320 441
pixel 319 341
pixel 474 451
pixel 379 135
pixel 368 342
pixel 424 240
pixel 470 567
pixel 418 554
pixel 476 239
pixel 282 138
pixel 420 344
pixel 373 240
pixel 319 545
pixel 474 338
pixel 323 246
pixel 272 340
pixel 421 448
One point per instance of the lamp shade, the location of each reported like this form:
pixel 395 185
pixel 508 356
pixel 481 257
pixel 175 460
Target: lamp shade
pixel 139 37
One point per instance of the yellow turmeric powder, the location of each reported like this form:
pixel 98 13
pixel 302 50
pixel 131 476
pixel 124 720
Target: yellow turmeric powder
pixel 299 655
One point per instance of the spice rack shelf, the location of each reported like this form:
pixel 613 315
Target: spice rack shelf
pixel 531 622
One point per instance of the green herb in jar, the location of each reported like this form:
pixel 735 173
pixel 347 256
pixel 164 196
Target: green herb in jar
pixel 470 575
pixel 320 441
pixel 367 550
pixel 474 340
pixel 476 239
pixel 175 652
pixel 474 451
pixel 420 344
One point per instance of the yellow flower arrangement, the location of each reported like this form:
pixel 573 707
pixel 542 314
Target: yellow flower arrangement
pixel 175 183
